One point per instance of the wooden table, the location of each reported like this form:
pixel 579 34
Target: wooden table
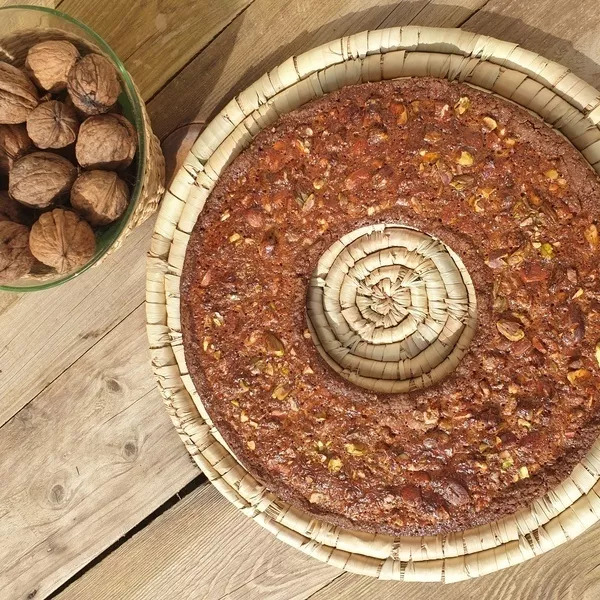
pixel 98 497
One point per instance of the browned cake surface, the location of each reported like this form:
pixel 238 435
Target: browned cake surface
pixel 512 198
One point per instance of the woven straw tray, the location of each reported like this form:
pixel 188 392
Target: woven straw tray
pixel 543 87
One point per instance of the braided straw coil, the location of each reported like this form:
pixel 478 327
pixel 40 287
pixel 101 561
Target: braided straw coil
pixel 545 88
pixel 391 309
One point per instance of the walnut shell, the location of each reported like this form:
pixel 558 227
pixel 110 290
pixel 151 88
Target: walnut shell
pixel 62 239
pixel 52 124
pixel 101 197
pixel 16 259
pixel 18 96
pixel 49 64
pixel 37 179
pixel 93 85
pixel 14 143
pixel 106 142
pixel 11 210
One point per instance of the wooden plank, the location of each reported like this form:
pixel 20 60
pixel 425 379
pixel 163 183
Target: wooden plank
pixel 268 33
pixel 567 33
pixel 84 463
pixel 569 572
pixel 44 333
pixel 155 39
pixel 203 547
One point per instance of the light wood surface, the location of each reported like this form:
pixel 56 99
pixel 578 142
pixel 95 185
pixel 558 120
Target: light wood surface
pixel 87 449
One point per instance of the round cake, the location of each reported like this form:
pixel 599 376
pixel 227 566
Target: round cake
pixel 391 307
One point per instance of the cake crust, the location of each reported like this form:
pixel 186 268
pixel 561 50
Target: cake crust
pixel 511 197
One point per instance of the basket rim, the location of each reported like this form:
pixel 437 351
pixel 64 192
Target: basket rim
pixel 560 515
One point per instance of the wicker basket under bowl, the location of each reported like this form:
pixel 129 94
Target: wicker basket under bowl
pixel 22 27
pixel 543 87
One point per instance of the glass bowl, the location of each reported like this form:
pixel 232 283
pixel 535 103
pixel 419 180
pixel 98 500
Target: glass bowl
pixel 20 28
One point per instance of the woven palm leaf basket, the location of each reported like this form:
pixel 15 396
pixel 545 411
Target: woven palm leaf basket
pixel 546 88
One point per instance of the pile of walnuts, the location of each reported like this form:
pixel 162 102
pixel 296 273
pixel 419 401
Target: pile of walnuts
pixel 64 156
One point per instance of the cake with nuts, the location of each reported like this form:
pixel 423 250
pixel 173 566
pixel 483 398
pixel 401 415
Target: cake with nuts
pixel 391 307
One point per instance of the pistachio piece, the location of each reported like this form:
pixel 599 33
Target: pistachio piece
pixel 547 250
pixel 463 104
pixel 551 174
pixel 465 159
pixel 510 330
pixel 597 352
pixel 334 465
pixel 489 124
pixel 251 445
pixel 578 375
pixel 591 235
pixel 355 449
pixel 523 472
pixel 462 182
pixel 281 392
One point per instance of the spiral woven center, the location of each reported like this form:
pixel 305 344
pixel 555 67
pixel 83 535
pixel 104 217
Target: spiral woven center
pixel 391 309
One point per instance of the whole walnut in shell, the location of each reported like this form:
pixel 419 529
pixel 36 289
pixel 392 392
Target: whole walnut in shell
pixel 14 142
pixel 106 142
pixel 49 64
pixel 38 179
pixel 16 259
pixel 93 85
pixel 11 210
pixel 101 197
pixel 18 95
pixel 62 239
pixel 52 124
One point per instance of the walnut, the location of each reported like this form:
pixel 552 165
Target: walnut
pixel 18 96
pixel 49 64
pixel 37 179
pixel 14 142
pixel 16 259
pixel 11 210
pixel 106 142
pixel 93 84
pixel 62 239
pixel 101 197
pixel 52 124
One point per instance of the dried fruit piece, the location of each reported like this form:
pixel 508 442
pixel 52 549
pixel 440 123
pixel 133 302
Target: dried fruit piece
pixel 16 259
pixel 510 330
pixel 281 392
pixel 523 472
pixel 11 210
pixel 49 64
pixel 106 142
pixel 454 493
pixel 37 179
pixel 101 197
pixel 63 240
pixel 273 344
pixel 18 96
pixel 93 84
pixel 52 124
pixel 14 143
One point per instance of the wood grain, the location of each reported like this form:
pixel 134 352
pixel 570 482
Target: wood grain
pixel 203 548
pixel 61 324
pixel 155 39
pixel 84 463
pixel 268 33
pixel 567 33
